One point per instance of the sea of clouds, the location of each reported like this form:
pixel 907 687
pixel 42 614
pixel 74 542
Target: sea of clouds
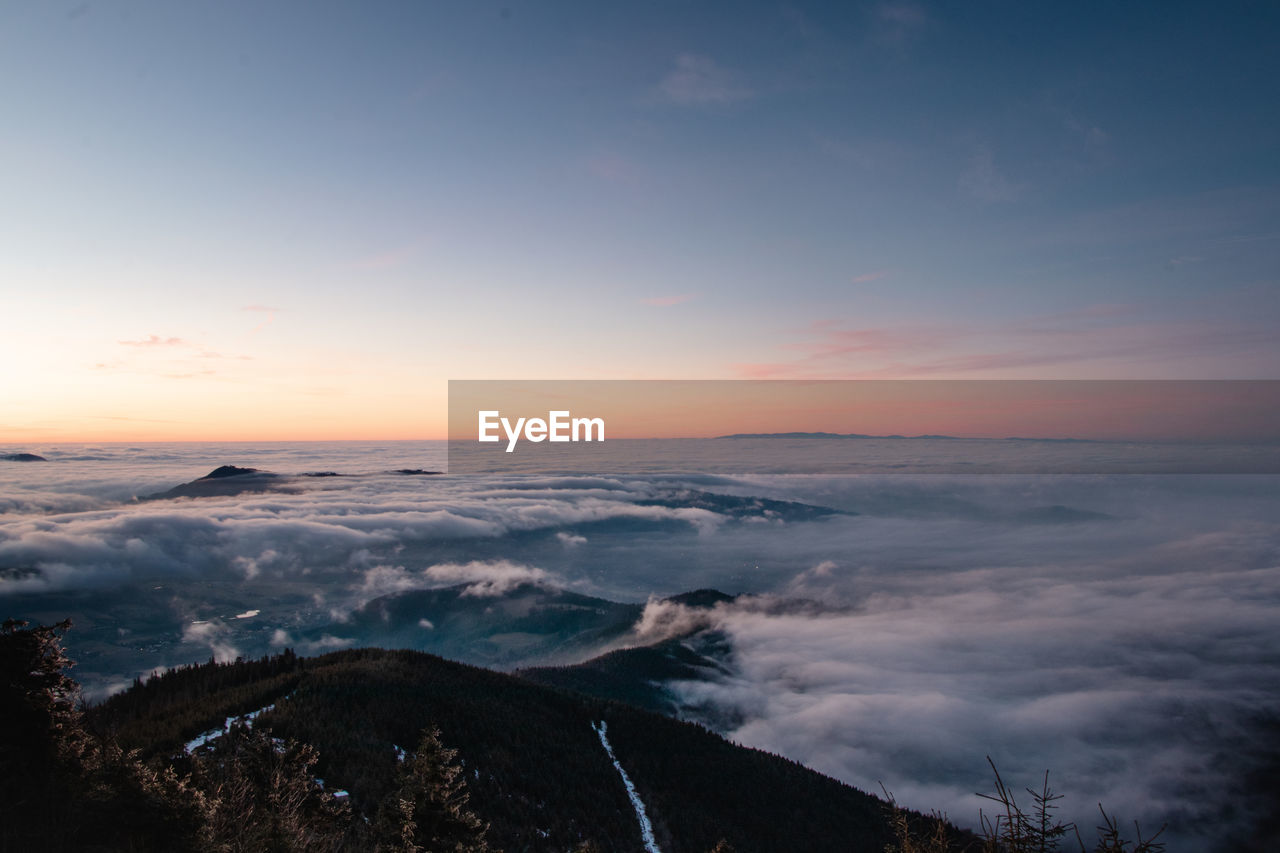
pixel 1120 631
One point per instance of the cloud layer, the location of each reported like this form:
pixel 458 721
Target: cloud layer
pixel 1137 672
pixel 1119 631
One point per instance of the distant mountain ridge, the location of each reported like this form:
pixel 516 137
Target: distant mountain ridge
pixel 528 625
pixel 529 622
pixel 895 436
pixel 225 481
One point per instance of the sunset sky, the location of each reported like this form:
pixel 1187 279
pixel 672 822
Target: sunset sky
pixel 299 220
pixel 1161 410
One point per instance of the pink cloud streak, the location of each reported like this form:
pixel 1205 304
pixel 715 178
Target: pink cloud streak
pixel 154 341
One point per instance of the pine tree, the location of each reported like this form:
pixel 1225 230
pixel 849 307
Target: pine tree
pixel 263 797
pixel 61 788
pixel 428 812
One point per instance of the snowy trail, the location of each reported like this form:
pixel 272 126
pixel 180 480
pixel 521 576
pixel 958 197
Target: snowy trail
pixel 214 734
pixel 646 828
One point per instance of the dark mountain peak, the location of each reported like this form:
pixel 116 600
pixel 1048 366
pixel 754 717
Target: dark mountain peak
pixel 224 481
pixel 702 598
pixel 229 471
pixel 24 457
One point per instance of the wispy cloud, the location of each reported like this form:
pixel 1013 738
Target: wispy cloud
pixel 212 354
pixel 198 374
pixel 483 579
pixel 614 169
pixel 908 15
pixel 1092 138
pixel 667 301
pixel 133 420
pixel 174 357
pixel 869 276
pixel 388 259
pixel 260 309
pixel 214 634
pixel 839 149
pixel 896 22
pixel 983 181
pixel 699 79
pixel 829 351
pixel 154 341
pixel 1103 336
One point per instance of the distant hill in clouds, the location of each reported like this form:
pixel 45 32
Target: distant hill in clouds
pixel 895 436
pixel 224 481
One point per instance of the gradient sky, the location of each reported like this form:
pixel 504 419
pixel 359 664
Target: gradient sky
pixel 1159 410
pixel 298 220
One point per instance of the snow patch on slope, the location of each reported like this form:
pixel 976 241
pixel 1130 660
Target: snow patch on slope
pixel 213 734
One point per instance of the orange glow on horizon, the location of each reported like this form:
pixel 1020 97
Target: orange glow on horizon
pixel 1094 409
pixel 1104 409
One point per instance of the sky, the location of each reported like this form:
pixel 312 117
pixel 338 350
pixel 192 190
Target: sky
pixel 291 221
pixel 1162 410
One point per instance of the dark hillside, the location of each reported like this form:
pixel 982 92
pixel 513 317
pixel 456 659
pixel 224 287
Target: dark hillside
pixel 536 770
